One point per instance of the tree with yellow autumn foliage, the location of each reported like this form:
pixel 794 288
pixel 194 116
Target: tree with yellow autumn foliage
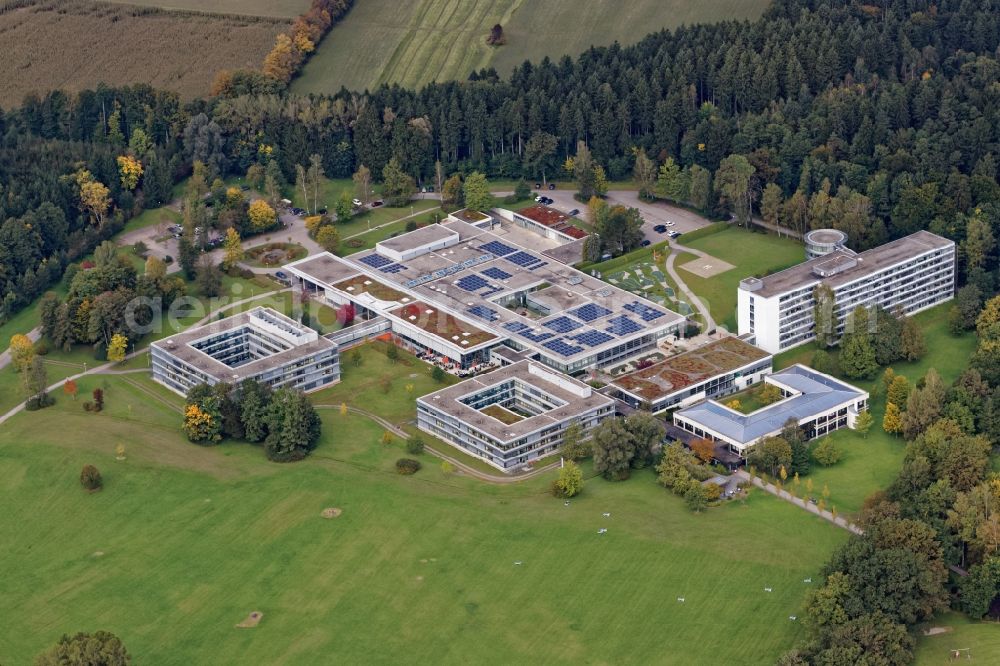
pixel 117 348
pixel 200 425
pixel 22 351
pixel 130 171
pixel 233 249
pixel 262 216
pixel 95 198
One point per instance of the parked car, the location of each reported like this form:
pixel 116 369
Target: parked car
pixel 538 186
pixel 547 201
pixel 356 203
pixel 377 203
pixel 644 243
pixel 673 234
pixel 660 228
pixel 552 186
pixel 539 198
pixel 670 223
pixel 574 212
pixel 298 211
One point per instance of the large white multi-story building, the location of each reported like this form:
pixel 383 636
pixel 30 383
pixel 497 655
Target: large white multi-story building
pixel 909 274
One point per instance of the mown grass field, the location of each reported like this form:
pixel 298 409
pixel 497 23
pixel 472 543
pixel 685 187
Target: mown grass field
pixel 275 8
pixel 184 542
pixel 979 642
pixel 48 47
pixel 381 41
pixel 750 253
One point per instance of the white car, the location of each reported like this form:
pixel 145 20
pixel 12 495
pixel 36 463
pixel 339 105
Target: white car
pixel 356 202
pixel 670 223
pixel 539 198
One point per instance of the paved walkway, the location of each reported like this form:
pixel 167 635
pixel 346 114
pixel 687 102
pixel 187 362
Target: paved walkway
pixel 839 521
pixel 693 299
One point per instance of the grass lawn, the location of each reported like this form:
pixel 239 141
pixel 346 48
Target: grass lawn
pixel 360 224
pixel 982 639
pixel 184 542
pixel 871 464
pixel 361 385
pixel 751 254
pixel 153 217
pixel 274 254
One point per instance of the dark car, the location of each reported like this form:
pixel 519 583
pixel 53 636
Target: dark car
pixel 298 211
pixel 660 228
pixel 552 186
pixel 245 188
pixel 547 201
pixel 538 186
pixel 377 203
pixel 574 212
pixel 644 243
pixel 321 211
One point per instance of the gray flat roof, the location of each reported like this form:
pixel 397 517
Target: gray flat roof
pixel 817 393
pixel 466 280
pixel 868 262
pixel 422 236
pixel 448 400
pixel 180 346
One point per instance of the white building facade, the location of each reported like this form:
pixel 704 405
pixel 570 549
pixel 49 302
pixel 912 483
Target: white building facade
pixel 909 275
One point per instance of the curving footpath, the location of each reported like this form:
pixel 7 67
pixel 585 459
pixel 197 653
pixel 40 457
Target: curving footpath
pixel 839 521
pixel 693 299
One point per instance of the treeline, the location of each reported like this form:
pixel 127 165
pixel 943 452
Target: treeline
pixel 932 538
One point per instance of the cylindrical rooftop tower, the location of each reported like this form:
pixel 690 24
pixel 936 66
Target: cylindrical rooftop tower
pixel 821 242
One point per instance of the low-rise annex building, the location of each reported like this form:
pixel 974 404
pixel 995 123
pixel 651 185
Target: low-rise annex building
pixel 715 369
pixel 909 274
pixel 816 402
pixel 513 415
pixel 261 344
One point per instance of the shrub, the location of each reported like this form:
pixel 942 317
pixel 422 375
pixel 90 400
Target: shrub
pixel 411 225
pixel 355 242
pixel 415 445
pixel 140 249
pixel 407 466
pixel 40 401
pixel 827 452
pixel 98 400
pixel 88 406
pixel 90 478
pixel 168 259
pixel 100 647
pixel 41 348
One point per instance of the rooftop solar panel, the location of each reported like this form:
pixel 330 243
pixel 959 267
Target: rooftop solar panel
pixel 496 273
pixel 484 312
pixel 562 324
pixel 562 348
pixel 592 338
pixel 535 337
pixel 622 325
pixel 516 326
pixel 472 283
pixel 498 248
pixel 393 268
pixel 590 312
pixel 376 260
pixel 646 312
pixel 525 260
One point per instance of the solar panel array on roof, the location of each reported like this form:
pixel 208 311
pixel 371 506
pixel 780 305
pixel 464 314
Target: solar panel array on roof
pixel 375 260
pixel 526 331
pixel 498 248
pixel 562 348
pixel 393 268
pixel 483 312
pixel 647 313
pixel 562 324
pixel 592 338
pixel 590 312
pixel 525 260
pixel 496 273
pixel 622 325
pixel 472 283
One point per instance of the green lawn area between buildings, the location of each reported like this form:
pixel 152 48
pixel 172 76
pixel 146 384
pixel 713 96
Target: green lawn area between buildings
pixel 185 541
pixel 979 642
pixel 751 253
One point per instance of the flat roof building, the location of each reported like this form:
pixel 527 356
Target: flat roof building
pixel 548 222
pixel 715 369
pixel 816 402
pixel 512 416
pixel 910 274
pixel 261 344
pixel 458 290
